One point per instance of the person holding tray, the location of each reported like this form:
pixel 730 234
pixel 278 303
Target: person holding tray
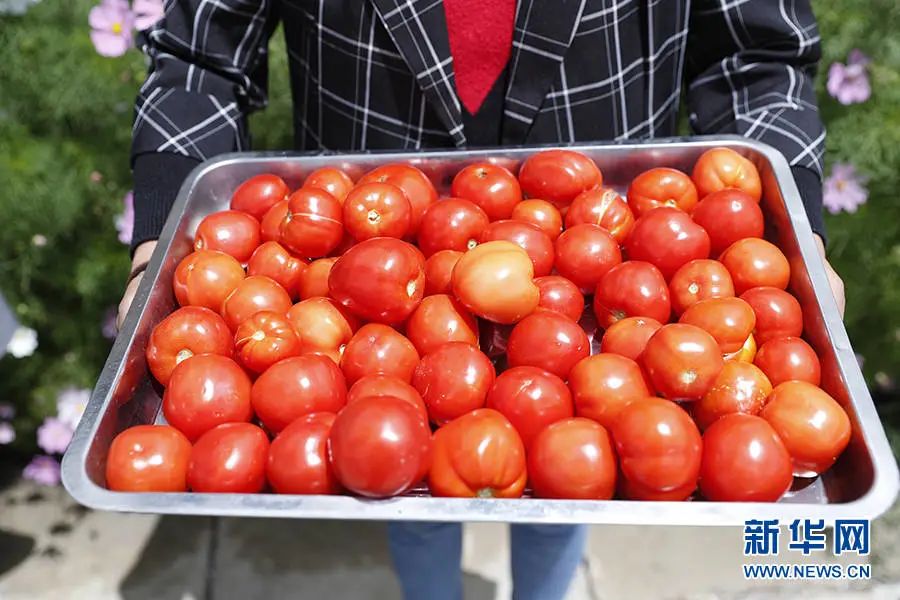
pixel 415 74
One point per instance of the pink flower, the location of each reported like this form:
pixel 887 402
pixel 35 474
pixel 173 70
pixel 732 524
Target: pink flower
pixel 43 470
pixel 849 83
pixel 70 405
pixel 53 436
pixel 7 434
pixel 125 221
pixel 844 189
pixel 147 13
pixel 112 25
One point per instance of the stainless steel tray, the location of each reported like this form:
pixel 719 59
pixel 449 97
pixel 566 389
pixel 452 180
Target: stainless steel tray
pixel 863 484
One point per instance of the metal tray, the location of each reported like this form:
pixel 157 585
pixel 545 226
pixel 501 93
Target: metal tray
pixel 863 484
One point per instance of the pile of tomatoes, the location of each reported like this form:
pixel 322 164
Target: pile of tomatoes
pixel 534 330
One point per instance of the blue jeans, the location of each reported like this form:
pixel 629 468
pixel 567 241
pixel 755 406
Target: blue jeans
pixel 427 558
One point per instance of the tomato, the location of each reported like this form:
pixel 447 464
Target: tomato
pixel 478 455
pixel 528 237
pixel 272 260
pixel 661 187
pixel 270 226
pixel 381 280
pixel 778 314
pixel 659 450
pixel 584 254
pixel 632 289
pixel 205 278
pixel 540 213
pixel 148 458
pixel 453 379
pixel 813 426
pixel 439 271
pixel 322 324
pixel 204 391
pixel 314 280
pixel 682 361
pixel 747 352
pixel 312 226
pixel 628 337
pixel 252 295
pixel 386 385
pixel 573 459
pixel 603 207
pixel 229 231
pixel 230 459
pixel 332 180
pixel 298 457
pixel 259 194
pixel 753 262
pixel 727 216
pixel 264 339
pixel 558 175
pixel 380 446
pixel 187 331
pixel 440 319
pixel 740 387
pixel 376 210
pixel 495 282
pixel 667 238
pixel 720 168
pixel 378 349
pixel 744 460
pixel 698 280
pixel 451 224
pixel 560 295
pixel 548 340
pixel 531 398
pixel 415 184
pixel 787 359
pixel 490 186
pixel 729 320
pixel 604 384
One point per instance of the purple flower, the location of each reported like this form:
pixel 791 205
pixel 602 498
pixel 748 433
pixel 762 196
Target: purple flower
pixel 849 83
pixel 7 434
pixel 7 411
pixel 844 189
pixel 70 405
pixel 147 13
pixel 112 24
pixel 53 436
pixel 43 470
pixel 125 221
pixel 108 327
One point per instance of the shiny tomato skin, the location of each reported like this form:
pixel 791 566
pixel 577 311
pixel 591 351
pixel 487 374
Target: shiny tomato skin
pixel 376 210
pixel 386 385
pixel 453 380
pixel 439 272
pixel 270 225
pixel 258 194
pixel 490 186
pixel 230 458
pixel 603 207
pixel 549 341
pixel 415 184
pixel 778 314
pixel 667 238
pixel 148 458
pixel 204 391
pixel 229 231
pixel 478 455
pixel 632 289
pixel 604 384
pixel 740 387
pixel 531 398
pixel 451 224
pixel 187 331
pixel 273 260
pixel 698 280
pixel 264 339
pixel 379 446
pixel 721 168
pixel 682 361
pixel 205 278
pixel 629 336
pixel 558 175
pixel 560 295
pixel 298 457
pixel 573 459
pixel 440 319
pixel 314 280
pixel 322 324
pixel 378 349
pixel 753 262
pixel 313 226
pixel 541 213
pixel 727 216
pixel 528 237
pixel 495 281
pixel 788 359
pixel 661 187
pixel 744 460
pixel 584 254
pixel 252 295
pixel 729 320
pixel 332 180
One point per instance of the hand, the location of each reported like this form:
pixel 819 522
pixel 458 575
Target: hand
pixel 834 280
pixel 142 254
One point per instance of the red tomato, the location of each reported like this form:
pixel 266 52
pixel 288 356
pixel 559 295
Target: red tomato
pixel 204 391
pixel 270 226
pixel 264 339
pixel 632 289
pixel 560 295
pixel 298 457
pixel 451 224
pixel 531 399
pixel 229 231
pixel 753 262
pixel 540 213
pixel 812 425
pixel 603 207
pixel 478 455
pixel 187 331
pixel 629 336
pixel 439 271
pixel 698 280
pixel 205 278
pixel 322 324
pixel 376 210
pixel 453 379
pixel 312 226
pixel 659 450
pixel 584 254
pixel 379 447
pixel 729 320
pixel 252 295
pixel 314 280
pixel 727 216
pixel 273 261
pixel 378 349
pixel 148 458
pixel 259 194
pixel 495 281
pixel 386 385
pixel 573 459
pixel 415 184
pixel 740 387
pixel 549 341
pixel 604 384
pixel 230 459
pixel 747 353
pixel 558 175
pixel 778 314
pixel 720 168
pixel 682 361
pixel 381 280
pixel 667 238
pixel 744 460
pixel 332 180
pixel 661 187
pixel 440 319
pixel 490 186
pixel 528 237
pixel 787 359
